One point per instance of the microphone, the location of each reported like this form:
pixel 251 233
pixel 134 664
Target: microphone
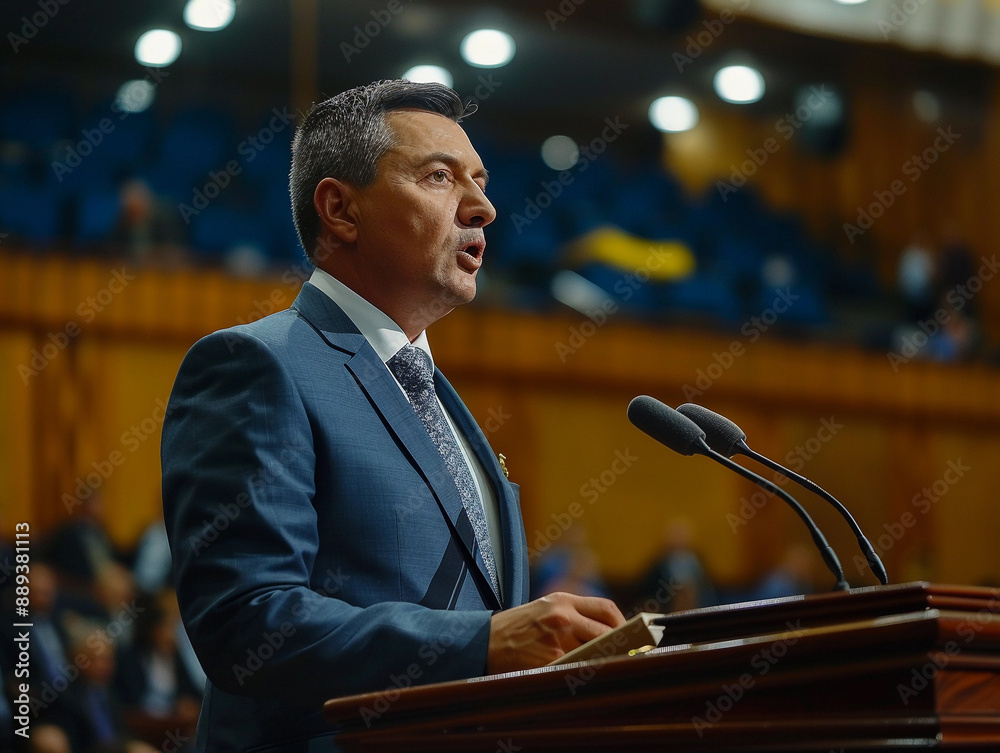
pixel 684 436
pixel 727 438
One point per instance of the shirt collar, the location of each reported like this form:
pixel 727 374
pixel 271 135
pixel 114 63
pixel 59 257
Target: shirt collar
pixel 384 335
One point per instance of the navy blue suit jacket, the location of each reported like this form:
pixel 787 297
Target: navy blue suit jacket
pixel 319 544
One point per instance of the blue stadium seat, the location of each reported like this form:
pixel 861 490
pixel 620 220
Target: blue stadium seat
pixel 705 295
pixel 96 215
pixel 31 214
pixel 217 229
pixel 38 119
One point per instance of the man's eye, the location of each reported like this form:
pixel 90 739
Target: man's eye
pixel 439 176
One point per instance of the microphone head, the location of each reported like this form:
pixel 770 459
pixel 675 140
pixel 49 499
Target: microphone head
pixel 665 425
pixel 722 435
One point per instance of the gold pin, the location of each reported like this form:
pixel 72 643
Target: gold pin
pixel 503 465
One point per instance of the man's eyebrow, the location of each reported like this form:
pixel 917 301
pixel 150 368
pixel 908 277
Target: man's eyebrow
pixel 452 161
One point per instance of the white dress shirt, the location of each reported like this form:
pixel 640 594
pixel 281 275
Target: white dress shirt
pixel 387 338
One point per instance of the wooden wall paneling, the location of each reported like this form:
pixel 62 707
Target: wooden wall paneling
pixel 19 435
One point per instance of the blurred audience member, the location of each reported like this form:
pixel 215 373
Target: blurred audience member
pixel 569 566
pixel 792 576
pixel 152 678
pixel 81 552
pixel 88 711
pixel 958 337
pixel 151 567
pixel 48 638
pixel 147 231
pixel 677 579
pixel 915 277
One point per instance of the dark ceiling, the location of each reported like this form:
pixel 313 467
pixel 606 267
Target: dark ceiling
pixel 604 59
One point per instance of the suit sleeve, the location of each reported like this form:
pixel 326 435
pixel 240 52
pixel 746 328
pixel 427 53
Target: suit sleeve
pixel 238 485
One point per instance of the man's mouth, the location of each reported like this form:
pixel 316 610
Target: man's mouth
pixel 470 255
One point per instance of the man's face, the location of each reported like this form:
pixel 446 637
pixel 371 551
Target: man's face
pixel 420 237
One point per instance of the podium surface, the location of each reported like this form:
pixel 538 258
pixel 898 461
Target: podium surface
pixel 887 668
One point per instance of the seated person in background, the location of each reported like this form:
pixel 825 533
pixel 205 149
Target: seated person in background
pixel 152 681
pixel 88 713
pixel 147 231
pixel 82 554
pixel 677 581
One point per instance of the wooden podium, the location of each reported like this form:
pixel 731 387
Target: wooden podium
pixel 904 667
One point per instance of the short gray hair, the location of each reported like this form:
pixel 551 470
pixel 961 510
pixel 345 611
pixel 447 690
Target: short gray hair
pixel 344 137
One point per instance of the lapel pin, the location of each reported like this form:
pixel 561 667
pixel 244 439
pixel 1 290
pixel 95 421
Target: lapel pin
pixel 503 465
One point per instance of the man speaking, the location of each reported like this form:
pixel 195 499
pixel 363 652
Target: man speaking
pixel 337 520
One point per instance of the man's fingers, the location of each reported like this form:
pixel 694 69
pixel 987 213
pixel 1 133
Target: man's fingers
pixel 598 609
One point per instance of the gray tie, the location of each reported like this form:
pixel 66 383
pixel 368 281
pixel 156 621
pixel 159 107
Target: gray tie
pixel 412 368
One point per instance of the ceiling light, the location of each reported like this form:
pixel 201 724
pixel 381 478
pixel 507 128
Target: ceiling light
pixel 739 84
pixel 209 15
pixel 673 114
pixel 429 74
pixel 135 96
pixel 488 48
pixel 560 152
pixel 158 48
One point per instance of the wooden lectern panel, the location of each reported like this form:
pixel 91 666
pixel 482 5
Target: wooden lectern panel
pixel 910 667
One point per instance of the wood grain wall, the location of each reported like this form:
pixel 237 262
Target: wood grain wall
pixel 876 438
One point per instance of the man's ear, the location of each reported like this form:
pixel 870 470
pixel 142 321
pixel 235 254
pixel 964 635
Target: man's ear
pixel 333 201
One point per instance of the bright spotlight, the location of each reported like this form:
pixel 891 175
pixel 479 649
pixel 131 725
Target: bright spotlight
pixel 560 152
pixel 158 48
pixel 209 15
pixel 488 48
pixel 429 74
pixel 739 84
pixel 673 114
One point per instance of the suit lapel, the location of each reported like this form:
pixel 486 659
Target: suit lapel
pixel 396 412
pixel 510 514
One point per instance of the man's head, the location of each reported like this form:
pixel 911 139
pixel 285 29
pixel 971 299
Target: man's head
pixel 388 196
pixel 344 137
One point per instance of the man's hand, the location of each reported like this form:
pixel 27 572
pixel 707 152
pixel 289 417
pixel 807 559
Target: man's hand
pixel 541 631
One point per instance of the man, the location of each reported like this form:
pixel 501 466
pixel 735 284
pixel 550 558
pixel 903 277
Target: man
pixel 333 529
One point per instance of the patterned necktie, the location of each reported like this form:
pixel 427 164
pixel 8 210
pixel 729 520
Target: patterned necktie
pixel 412 368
